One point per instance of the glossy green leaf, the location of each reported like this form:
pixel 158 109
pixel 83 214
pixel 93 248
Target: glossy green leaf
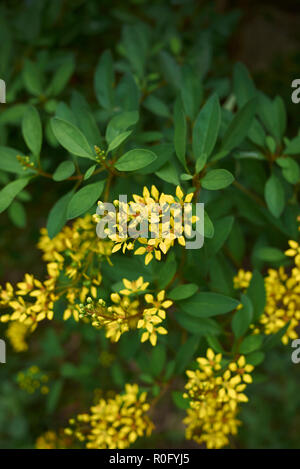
pixel 217 179
pixel 206 128
pixel 64 170
pixel 180 129
pixel 274 195
pixel 71 138
pixel 207 304
pixel 84 199
pixel 182 292
pixel 9 192
pixel 239 126
pixel 104 81
pixel 58 215
pixel 32 130
pixel 135 159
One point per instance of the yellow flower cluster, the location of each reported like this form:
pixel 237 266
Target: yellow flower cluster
pixel 282 297
pixel 150 209
pixel 76 253
pixel 33 380
pixel 129 310
pixel 16 334
pixel 31 302
pixel 215 396
pixel 242 279
pixel 52 440
pixel 115 422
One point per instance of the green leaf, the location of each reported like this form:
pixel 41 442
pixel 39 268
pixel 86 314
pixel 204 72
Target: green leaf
pixel 170 69
pixel 274 196
pixel 257 294
pixel 61 78
pixel 89 172
pixel 255 358
pixel 135 41
pixel 58 215
pixel 269 254
pixel 156 106
pixel 84 199
pixel 293 147
pixel 85 119
pixel 8 160
pixel 32 130
pixel 9 192
pixel 135 159
pixel 217 179
pixel 239 126
pixel 17 214
pixel 243 317
pixel 164 153
pixel 214 343
pixel 127 93
pixel 180 132
pixel 54 395
pixel 244 88
pixel 200 162
pixel 207 304
pixel 208 226
pixel 183 291
pixel 158 359
pixel 71 138
pixel 290 169
pixel 64 170
pixel 166 271
pixel 168 173
pixel 120 123
pixel 104 81
pixel 186 352
pixel 33 78
pixel 206 128
pixel 64 112
pixel 191 91
pixel 222 229
pixel 118 140
pixel 257 134
pixel 272 114
pixel 197 326
pixel 251 343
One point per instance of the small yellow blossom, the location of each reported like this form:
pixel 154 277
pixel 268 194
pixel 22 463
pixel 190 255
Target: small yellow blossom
pixel 242 279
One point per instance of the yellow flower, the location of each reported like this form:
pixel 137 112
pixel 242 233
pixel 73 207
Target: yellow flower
pixel 242 279
pixel 159 304
pixel 242 369
pixel 114 423
pixel 294 251
pixel 134 286
pixel 212 362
